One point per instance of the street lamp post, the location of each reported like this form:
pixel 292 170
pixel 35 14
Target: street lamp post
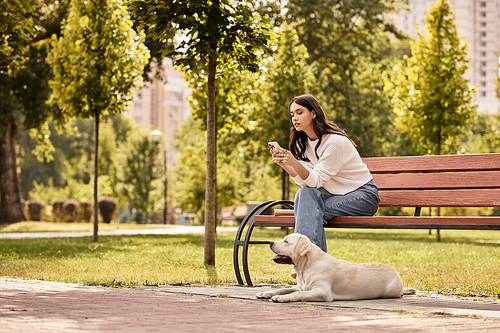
pixel 157 134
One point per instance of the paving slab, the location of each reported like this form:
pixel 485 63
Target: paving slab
pixel 42 306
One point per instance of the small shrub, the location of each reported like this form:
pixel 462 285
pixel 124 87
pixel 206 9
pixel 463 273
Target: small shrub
pixel 57 210
pixel 86 211
pixel 36 209
pixel 107 208
pixel 70 210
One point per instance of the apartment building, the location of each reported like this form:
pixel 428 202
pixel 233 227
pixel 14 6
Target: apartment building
pixel 162 105
pixel 478 21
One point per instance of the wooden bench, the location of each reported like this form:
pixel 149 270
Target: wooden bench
pixel 411 181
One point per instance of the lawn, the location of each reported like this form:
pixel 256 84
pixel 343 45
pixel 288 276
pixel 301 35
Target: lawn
pixel 463 263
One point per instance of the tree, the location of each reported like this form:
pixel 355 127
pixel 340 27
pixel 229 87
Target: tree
pixel 96 62
pixel 22 86
pixel 214 35
pixel 288 74
pixel 348 43
pixel 141 171
pixel 430 92
pixel 16 30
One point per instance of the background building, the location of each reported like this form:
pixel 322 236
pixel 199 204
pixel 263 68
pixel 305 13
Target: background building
pixel 478 21
pixel 162 105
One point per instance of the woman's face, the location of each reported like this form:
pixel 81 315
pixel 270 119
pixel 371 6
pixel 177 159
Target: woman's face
pixel 302 119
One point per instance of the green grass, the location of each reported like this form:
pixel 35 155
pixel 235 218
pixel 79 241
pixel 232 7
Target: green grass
pixel 463 263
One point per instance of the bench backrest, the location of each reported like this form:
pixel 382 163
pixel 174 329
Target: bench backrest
pixel 437 181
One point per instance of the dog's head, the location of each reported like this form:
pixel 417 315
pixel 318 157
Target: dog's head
pixel 291 248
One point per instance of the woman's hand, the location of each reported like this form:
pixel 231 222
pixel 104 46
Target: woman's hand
pixel 292 166
pixel 280 156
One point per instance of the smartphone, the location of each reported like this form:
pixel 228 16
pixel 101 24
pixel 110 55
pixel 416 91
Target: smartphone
pixel 274 145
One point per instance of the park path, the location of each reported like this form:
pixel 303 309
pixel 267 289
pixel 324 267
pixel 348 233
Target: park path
pixel 41 306
pixel 171 229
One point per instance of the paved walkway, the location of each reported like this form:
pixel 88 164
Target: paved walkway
pixel 171 229
pixel 40 306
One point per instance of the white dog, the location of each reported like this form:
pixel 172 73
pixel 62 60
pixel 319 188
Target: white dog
pixel 321 277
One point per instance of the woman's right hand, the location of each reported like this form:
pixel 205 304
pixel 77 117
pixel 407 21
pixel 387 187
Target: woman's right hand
pixel 278 156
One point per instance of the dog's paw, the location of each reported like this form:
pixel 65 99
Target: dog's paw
pixel 281 299
pixel 264 295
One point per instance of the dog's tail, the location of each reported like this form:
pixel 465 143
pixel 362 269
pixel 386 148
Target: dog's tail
pixel 409 291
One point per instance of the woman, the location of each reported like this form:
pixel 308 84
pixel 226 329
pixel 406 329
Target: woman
pixel 325 163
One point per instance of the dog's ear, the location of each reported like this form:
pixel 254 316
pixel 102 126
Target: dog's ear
pixel 301 248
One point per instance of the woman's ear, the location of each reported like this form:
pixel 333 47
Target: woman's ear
pixel 314 114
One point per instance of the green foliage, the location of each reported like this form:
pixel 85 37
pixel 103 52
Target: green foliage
pixel 288 75
pixel 24 88
pixel 16 31
pixel 97 60
pixel 348 43
pixel 240 178
pixel 189 176
pixel 482 136
pixel 72 190
pixel 238 33
pixel 141 172
pixel 72 157
pixel 431 96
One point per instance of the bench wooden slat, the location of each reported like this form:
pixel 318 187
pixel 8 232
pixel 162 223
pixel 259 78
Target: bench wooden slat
pixel 461 180
pixel 444 198
pixel 389 222
pixel 473 162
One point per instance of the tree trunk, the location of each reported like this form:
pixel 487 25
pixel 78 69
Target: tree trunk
pixel 11 209
pixel 96 170
pixel 210 189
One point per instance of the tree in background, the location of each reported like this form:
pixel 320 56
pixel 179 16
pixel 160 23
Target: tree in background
pixel 430 93
pixel 141 172
pixel 189 177
pixel 348 43
pixel 96 63
pixel 215 35
pixel 288 75
pixel 431 96
pixel 16 31
pixel 68 175
pixel 23 86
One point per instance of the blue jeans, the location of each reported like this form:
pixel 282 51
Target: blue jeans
pixel 315 206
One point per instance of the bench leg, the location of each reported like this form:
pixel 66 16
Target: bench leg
pixel 238 242
pixel 248 222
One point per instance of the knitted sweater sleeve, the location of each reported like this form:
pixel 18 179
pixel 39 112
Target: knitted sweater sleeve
pixel 332 156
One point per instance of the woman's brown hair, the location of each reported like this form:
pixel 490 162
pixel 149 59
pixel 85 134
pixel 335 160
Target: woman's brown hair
pixel 321 126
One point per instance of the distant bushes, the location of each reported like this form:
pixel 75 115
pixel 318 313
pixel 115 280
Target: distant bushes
pixel 35 209
pixel 70 210
pixel 107 208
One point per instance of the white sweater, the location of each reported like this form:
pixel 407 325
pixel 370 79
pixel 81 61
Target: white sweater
pixel 339 168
